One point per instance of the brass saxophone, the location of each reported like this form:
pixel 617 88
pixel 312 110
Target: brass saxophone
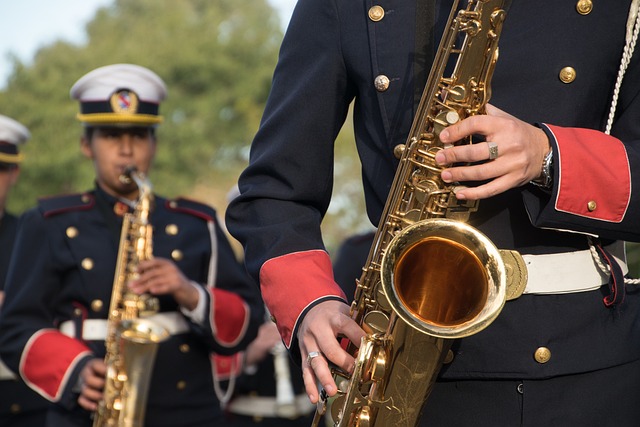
pixel 429 277
pixel 132 341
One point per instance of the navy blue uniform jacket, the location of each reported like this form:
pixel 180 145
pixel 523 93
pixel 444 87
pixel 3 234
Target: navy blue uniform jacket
pixel 16 399
pixel 63 269
pixel 331 55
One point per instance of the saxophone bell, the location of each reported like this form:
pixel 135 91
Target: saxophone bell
pixel 444 278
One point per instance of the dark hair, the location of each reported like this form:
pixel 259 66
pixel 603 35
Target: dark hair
pixel 4 167
pixel 89 130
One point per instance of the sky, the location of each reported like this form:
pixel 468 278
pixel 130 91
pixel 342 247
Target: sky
pixel 26 25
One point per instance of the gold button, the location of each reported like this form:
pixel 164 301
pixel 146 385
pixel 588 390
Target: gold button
pixel 591 206
pixel 398 150
pixel 171 229
pixel 96 305
pixel 15 408
pixel 584 7
pixel 181 385
pixel 85 198
pixel 176 254
pixel 448 358
pixel 173 204
pixel 77 312
pixel 87 264
pixel 542 355
pixel 376 13
pixel 72 232
pixel 381 83
pixel 567 74
pixel 184 348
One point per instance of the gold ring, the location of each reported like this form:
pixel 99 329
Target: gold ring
pixel 312 355
pixel 493 150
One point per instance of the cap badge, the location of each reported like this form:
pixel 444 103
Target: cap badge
pixel 124 102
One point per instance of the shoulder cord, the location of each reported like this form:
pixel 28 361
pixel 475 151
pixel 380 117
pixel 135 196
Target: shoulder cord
pixel 223 395
pixel 633 28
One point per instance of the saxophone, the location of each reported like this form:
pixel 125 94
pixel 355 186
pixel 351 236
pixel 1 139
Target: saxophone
pixel 429 277
pixel 132 340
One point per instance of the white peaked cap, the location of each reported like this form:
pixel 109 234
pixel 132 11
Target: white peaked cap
pixel 119 93
pixel 13 132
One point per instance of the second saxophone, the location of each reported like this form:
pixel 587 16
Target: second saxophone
pixel 132 341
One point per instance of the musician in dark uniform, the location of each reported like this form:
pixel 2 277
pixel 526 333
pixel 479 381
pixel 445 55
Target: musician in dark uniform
pixel 559 179
pixel 270 391
pixel 19 405
pixel 53 325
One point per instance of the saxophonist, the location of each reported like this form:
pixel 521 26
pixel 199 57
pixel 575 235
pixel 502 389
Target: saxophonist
pixel 60 283
pixel 557 169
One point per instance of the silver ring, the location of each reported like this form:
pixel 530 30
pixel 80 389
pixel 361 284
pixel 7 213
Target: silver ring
pixel 493 150
pixel 312 355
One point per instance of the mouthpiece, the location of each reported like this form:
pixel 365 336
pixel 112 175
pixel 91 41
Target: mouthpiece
pixel 125 177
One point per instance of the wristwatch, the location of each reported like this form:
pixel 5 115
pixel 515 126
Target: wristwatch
pixel 546 175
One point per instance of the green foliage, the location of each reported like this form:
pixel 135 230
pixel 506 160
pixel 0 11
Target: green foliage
pixel 217 58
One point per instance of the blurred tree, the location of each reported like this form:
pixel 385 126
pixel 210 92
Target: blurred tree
pixel 216 58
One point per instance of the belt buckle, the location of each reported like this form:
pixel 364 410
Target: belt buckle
pixel 516 271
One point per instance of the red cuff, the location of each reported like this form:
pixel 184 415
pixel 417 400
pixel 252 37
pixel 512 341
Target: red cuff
pixel 47 361
pixel 229 317
pixel 225 367
pixel 594 174
pixel 292 282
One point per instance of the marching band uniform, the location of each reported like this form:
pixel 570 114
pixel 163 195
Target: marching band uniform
pixel 256 400
pixel 60 283
pixel 557 68
pixel 19 405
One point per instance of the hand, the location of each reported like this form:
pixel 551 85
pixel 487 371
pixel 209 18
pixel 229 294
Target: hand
pixel 268 337
pixel 318 332
pixel 92 380
pixel 160 276
pixel 521 151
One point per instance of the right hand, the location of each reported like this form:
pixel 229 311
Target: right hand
pixel 92 378
pixel 318 332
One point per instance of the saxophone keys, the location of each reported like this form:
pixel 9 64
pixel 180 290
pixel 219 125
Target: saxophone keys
pixel 398 150
pixel 375 322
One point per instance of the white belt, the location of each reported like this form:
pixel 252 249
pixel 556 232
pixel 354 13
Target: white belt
pixel 5 372
pixel 96 329
pixel 259 406
pixel 568 272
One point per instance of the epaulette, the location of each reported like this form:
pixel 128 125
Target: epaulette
pixel 192 207
pixel 55 205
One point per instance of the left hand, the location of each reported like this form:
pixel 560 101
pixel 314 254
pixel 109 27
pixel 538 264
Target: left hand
pixel 160 276
pixel 521 151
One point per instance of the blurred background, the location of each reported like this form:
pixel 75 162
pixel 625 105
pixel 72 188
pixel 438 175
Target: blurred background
pixel 217 58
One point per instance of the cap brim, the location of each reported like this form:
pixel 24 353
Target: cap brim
pixel 115 118
pixel 11 158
